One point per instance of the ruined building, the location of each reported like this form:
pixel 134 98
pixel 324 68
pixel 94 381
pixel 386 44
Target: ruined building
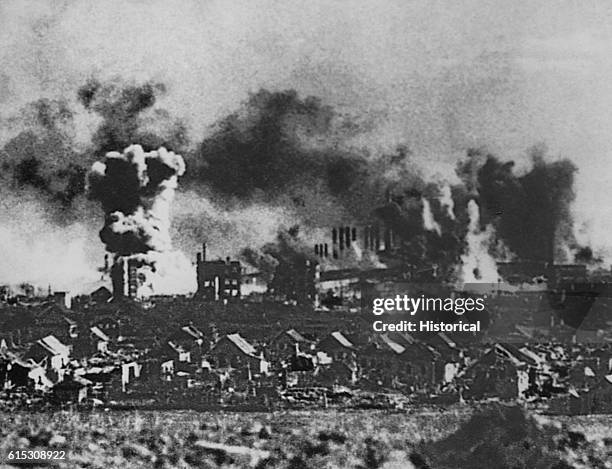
pixel 124 278
pixel 217 280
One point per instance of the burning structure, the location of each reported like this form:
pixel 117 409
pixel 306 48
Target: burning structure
pixel 136 189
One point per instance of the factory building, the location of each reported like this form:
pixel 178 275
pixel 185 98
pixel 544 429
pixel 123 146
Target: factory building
pixel 218 280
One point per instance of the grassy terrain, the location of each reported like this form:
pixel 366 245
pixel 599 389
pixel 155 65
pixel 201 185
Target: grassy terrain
pixel 320 439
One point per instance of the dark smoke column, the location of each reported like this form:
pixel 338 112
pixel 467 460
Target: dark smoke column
pixel 136 189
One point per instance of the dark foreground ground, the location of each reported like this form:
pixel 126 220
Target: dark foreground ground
pixel 491 437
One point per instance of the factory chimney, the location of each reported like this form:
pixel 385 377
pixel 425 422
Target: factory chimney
pixel 377 238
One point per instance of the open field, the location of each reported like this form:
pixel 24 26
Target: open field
pixel 455 438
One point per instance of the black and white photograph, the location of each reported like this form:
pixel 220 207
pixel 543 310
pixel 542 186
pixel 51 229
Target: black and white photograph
pixel 306 234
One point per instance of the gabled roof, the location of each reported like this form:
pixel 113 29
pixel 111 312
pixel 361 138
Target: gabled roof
pixel 101 291
pixel 531 354
pixel 447 340
pixel 516 355
pixel 394 346
pixel 241 343
pixel 510 352
pixel 70 321
pixel 296 336
pixel 177 348
pixel 98 333
pixel 342 340
pixel 53 345
pixel 193 331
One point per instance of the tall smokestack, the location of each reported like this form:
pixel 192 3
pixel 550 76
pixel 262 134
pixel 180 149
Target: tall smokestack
pixel 372 239
pixel 203 252
pixel 326 250
pixel 334 236
pixel 347 236
pixel 387 239
pixel 354 234
pixel 316 249
pixel 377 237
pixel 341 238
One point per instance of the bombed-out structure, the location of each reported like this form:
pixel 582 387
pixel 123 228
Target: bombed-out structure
pixel 218 280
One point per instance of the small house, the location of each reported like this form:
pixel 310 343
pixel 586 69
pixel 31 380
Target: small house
pixel 234 351
pixel 337 346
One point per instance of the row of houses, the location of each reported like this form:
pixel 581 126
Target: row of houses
pixel 101 362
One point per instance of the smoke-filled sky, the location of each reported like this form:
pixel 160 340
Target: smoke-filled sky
pixel 436 77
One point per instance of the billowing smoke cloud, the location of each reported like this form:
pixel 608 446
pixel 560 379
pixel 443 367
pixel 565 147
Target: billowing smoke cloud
pixel 42 156
pixel 129 115
pixel 530 212
pixel 136 189
pixel 279 148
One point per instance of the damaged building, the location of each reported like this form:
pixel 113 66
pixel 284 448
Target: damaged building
pixel 218 280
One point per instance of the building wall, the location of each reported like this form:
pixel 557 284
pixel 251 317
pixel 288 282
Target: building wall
pixel 218 280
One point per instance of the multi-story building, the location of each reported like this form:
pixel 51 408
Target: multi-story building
pixel 218 280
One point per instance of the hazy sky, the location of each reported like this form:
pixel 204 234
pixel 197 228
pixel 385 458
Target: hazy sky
pixel 439 76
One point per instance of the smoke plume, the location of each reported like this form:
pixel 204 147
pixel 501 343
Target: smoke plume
pixel 477 264
pixel 136 189
pixel 530 212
